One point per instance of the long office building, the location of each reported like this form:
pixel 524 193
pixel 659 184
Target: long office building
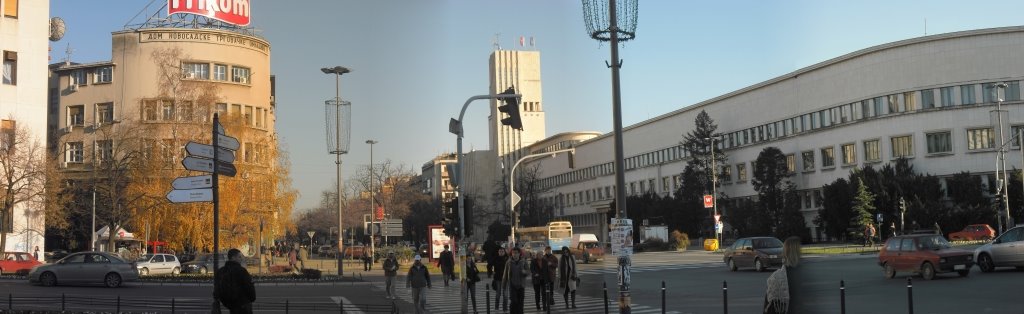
pixel 929 99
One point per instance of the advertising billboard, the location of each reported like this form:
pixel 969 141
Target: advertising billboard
pixel 228 11
pixel 437 241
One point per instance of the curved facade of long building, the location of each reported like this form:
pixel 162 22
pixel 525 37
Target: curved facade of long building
pixel 929 99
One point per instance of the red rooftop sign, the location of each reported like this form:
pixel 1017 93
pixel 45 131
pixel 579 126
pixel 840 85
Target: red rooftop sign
pixel 228 11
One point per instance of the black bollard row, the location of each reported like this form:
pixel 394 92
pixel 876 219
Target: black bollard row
pixel 842 297
pixel 663 297
pixel 605 285
pixel 725 297
pixel 910 296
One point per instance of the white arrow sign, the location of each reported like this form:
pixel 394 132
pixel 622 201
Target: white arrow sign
pixel 196 182
pixel 206 151
pixel 227 142
pixel 515 199
pixel 188 196
pixel 206 165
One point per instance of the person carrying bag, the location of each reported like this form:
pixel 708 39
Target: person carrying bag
pixel 568 279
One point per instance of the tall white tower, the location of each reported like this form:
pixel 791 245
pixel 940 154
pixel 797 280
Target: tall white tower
pixel 519 69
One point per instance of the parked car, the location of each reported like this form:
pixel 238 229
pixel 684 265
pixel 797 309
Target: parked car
pixel 757 252
pixel 326 251
pixel 1006 250
pixel 85 267
pixel 55 255
pixel 926 254
pixel 204 264
pixel 585 248
pixel 534 248
pixel 155 264
pixel 973 232
pixel 17 263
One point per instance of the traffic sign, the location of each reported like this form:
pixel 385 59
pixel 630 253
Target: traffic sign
pixel 206 151
pixel 196 182
pixel 709 201
pixel 189 196
pixel 206 165
pixel 515 199
pixel 718 217
pixel 227 142
pixel 220 128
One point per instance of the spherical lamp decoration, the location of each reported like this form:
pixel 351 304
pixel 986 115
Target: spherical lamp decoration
pixel 595 15
pixel 57 28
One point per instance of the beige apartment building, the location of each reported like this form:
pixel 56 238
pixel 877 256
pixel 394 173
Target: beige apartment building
pixel 160 90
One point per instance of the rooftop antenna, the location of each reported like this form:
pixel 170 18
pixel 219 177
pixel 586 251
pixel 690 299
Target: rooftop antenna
pixel 926 26
pixel 495 42
pixel 67 55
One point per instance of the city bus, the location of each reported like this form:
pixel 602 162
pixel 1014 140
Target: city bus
pixel 559 235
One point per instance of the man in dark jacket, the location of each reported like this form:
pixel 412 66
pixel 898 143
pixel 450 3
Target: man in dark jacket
pixel 501 292
pixel 390 271
pixel 446 261
pixel 234 285
pixel 539 276
pixel 515 280
pixel 418 278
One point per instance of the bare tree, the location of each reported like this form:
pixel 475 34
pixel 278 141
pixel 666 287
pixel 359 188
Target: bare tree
pixel 22 174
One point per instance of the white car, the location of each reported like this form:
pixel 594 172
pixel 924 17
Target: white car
pixel 155 264
pixel 1005 250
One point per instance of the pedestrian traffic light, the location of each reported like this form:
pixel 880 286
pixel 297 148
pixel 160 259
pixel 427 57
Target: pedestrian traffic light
pixel 511 107
pixel 998 200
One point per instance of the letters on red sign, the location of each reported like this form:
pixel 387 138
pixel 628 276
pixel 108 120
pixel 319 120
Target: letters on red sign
pixel 228 11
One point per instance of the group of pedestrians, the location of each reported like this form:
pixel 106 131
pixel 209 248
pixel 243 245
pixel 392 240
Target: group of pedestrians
pixel 510 273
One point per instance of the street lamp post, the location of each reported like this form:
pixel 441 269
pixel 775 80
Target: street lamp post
pixel 603 25
pixel 373 214
pixel 339 145
pixel 714 189
pixel 1001 162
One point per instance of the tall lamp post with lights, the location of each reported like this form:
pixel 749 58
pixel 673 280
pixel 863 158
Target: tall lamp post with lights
pixel 605 22
pixel 373 214
pixel 338 114
pixel 714 191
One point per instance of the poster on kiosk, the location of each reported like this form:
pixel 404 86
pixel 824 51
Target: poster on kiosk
pixel 437 241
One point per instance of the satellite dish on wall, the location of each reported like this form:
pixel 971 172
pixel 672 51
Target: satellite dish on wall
pixel 57 28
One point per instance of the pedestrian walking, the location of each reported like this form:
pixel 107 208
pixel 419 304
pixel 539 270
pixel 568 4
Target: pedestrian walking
pixel 501 291
pixel 418 278
pixel 892 226
pixel 869 235
pixel 938 230
pixel 550 276
pixel 568 279
pixel 540 275
pixel 235 289
pixel 367 261
pixel 785 287
pixel 472 277
pixel 35 254
pixel 514 279
pixel 303 256
pixel 390 271
pixel 293 261
pixel 446 261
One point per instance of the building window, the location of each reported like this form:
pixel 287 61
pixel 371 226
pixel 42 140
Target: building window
pixel 104 150
pixel 902 146
pixel 807 199
pixel 939 142
pixel 240 75
pixel 664 185
pixel 879 105
pixel 168 151
pixel 104 74
pixel 1012 91
pixel 10 69
pixel 79 77
pixel 849 154
pixel 928 98
pixel 195 71
pixel 104 113
pixel 11 8
pixel 149 110
pixel 167 110
pixel 76 115
pixel 983 138
pixel 74 152
pixel 808 157
pixel 909 101
pixel 967 95
pixel 7 129
pixel 894 103
pixel 725 174
pixel 828 157
pixel 872 151
pixel 220 72
pixel 790 163
pixel 1014 132
pixel 866 108
pixel 946 96
pixel 185 111
pixel 741 172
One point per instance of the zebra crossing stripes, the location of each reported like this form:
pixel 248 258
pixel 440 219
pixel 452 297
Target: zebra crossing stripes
pixel 448 300
pixel 646 268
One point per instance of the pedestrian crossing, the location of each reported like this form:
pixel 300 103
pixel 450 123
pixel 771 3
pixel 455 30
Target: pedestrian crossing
pixel 441 299
pixel 609 268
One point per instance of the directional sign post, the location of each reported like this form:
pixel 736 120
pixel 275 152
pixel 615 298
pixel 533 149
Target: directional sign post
pixel 196 182
pixel 206 165
pixel 227 142
pixel 206 151
pixel 189 196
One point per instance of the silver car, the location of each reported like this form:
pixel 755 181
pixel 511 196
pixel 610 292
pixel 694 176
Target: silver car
pixel 1005 250
pixel 155 264
pixel 85 268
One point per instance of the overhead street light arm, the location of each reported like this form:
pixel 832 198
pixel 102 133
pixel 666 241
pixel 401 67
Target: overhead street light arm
pixel 512 191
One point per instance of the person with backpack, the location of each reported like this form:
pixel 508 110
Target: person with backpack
pixel 234 288
pixel 472 277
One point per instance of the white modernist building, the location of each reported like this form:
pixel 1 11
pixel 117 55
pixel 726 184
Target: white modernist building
pixel 929 99
pixel 24 43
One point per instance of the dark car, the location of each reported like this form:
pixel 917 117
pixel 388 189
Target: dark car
pixel 926 254
pixel 757 252
pixel 203 264
pixel 973 232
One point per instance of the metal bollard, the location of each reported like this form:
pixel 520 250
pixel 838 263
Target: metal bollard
pixel 488 298
pixel 725 297
pixel 172 305
pixel 662 297
pixel 118 303
pixel 842 297
pixel 62 303
pixel 910 296
pixel 605 285
pixel 548 303
pixel 286 306
pixel 10 301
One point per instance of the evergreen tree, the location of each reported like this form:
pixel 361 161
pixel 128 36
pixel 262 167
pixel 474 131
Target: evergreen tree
pixel 836 211
pixel 770 180
pixel 696 177
pixel 863 208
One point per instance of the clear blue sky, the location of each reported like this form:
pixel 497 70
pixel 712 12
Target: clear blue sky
pixel 415 62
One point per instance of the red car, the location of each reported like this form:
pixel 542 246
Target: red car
pixel 17 263
pixel 926 254
pixel 973 232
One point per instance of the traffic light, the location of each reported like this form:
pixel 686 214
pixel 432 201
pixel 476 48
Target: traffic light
pixel 451 218
pixel 511 107
pixel 998 200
